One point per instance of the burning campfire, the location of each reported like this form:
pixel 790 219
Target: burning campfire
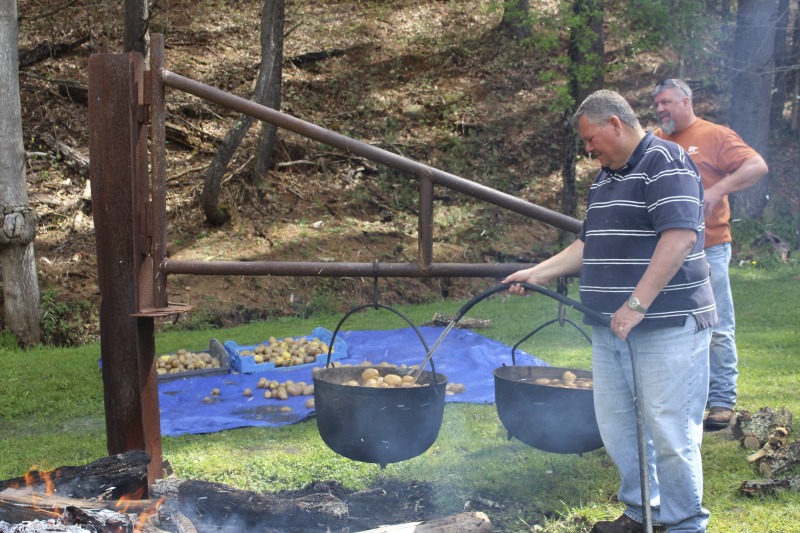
pixel 111 496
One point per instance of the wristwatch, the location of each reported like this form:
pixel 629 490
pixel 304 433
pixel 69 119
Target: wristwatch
pixel 633 303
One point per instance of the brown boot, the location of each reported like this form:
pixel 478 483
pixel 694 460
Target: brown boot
pixel 623 524
pixel 718 418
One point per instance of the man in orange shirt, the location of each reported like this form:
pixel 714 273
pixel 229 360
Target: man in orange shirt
pixel 726 165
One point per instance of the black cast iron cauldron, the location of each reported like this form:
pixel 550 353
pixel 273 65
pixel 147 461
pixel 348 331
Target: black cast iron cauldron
pixel 378 425
pixel 553 419
pixel 549 418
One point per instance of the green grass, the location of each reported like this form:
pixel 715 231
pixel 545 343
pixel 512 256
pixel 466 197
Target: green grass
pixel 51 414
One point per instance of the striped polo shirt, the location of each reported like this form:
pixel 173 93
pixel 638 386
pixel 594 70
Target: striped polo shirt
pixel 658 189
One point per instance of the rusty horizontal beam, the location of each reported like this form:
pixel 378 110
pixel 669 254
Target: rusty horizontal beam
pixel 373 153
pixel 334 270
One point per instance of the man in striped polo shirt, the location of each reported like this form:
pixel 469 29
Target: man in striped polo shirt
pixel 641 262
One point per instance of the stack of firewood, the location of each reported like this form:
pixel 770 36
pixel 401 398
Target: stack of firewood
pixel 767 432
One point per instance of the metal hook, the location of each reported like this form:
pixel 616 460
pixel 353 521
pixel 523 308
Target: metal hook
pixel 561 288
pixel 375 290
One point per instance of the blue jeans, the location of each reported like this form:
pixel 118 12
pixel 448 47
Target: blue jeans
pixel 723 357
pixel 674 368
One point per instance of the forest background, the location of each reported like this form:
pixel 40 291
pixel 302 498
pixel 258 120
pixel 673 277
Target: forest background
pixel 478 88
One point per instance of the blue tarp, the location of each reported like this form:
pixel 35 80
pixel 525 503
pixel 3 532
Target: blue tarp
pixel 463 356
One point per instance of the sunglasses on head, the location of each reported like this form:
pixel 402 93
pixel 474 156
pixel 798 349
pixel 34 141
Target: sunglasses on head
pixel 671 82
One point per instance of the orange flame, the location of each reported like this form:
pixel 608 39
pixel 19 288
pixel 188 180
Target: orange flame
pixel 123 505
pixel 147 513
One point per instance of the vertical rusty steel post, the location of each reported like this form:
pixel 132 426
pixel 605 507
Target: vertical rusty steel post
pixel 158 163
pixel 118 172
pixel 425 224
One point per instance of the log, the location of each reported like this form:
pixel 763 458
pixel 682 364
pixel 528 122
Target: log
pixel 41 526
pixel 753 430
pixel 443 320
pixel 778 438
pixel 470 522
pixel 218 505
pixel 97 519
pixel 20 505
pixel 760 487
pixel 780 460
pixel 47 50
pixel 109 478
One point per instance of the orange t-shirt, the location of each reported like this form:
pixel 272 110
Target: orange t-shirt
pixel 717 151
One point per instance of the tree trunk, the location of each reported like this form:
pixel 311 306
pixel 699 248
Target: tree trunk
pixel 752 66
pixel 586 52
pixel 212 184
pixel 792 78
pixel 515 18
pixel 272 22
pixel 781 65
pixel 17 262
pixel 136 23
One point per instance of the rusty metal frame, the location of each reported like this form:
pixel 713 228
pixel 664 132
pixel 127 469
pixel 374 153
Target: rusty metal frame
pixel 127 122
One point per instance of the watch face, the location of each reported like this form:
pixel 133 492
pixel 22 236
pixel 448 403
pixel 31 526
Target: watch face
pixel 633 303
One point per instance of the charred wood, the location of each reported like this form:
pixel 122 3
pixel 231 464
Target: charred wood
pixel 40 526
pixel 108 478
pixel 17 505
pixel 97 519
pixel 221 505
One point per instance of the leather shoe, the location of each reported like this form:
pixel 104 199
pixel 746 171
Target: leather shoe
pixel 623 524
pixel 718 418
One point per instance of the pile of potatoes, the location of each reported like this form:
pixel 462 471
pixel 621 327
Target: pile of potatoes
pixel 274 389
pixel 568 380
pixel 281 391
pixel 288 351
pixel 184 360
pixel 371 377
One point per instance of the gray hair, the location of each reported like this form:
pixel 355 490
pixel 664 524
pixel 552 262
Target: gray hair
pixel 673 83
pixel 601 105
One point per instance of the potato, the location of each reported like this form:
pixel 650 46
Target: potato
pixel 294 389
pixel 370 373
pixel 456 388
pixel 393 380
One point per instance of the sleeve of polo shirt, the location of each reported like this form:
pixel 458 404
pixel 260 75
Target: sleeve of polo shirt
pixel 674 192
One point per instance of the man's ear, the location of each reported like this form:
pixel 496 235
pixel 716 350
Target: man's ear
pixel 616 123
